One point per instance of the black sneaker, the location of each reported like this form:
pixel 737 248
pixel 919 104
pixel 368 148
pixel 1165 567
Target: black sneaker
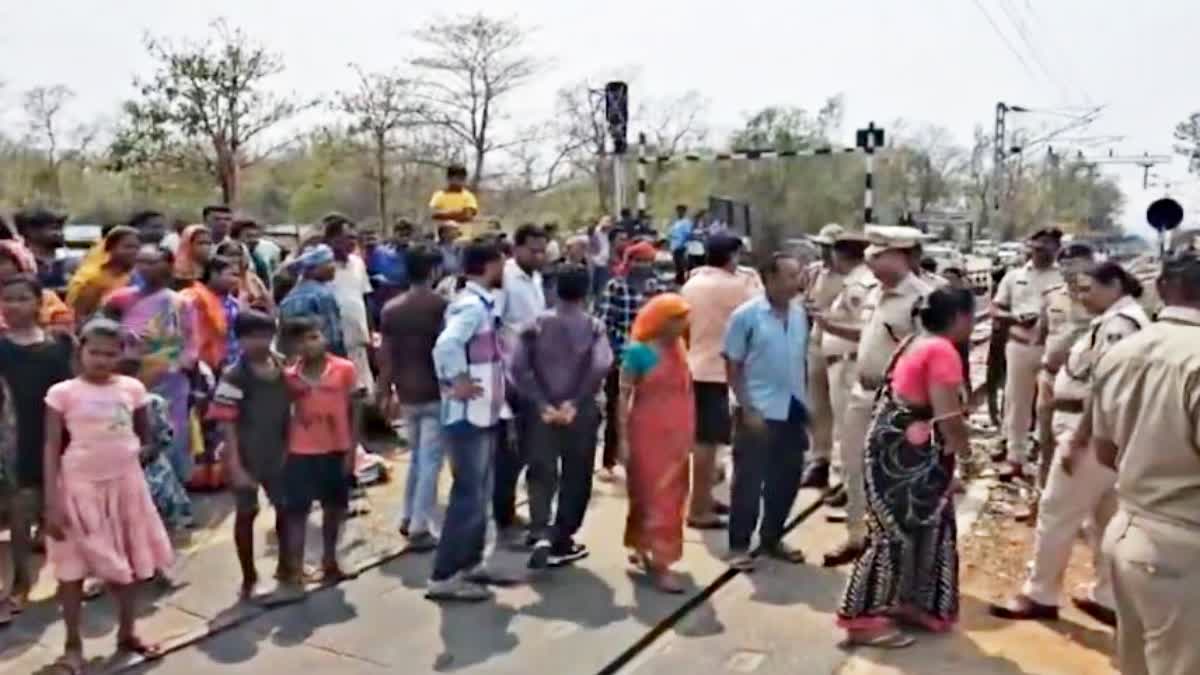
pixel 567 553
pixel 540 558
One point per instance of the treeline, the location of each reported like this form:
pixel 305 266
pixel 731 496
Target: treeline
pixel 209 124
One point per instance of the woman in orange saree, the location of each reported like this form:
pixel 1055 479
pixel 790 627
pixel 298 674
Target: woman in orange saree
pixel 656 426
pixel 195 248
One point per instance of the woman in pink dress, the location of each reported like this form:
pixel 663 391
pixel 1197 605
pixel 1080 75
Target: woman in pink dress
pixel 100 518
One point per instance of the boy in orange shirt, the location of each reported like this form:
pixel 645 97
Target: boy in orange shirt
pixel 322 436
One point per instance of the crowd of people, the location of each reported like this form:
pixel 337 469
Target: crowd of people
pixel 207 358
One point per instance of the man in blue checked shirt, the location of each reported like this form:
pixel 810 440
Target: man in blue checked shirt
pixel 765 335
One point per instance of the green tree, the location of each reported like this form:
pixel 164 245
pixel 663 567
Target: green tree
pixel 206 107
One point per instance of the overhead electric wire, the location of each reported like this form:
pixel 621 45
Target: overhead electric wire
pixel 1060 54
pixel 1019 24
pixel 1008 43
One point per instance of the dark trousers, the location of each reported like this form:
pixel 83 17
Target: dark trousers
pixel 560 461
pixel 511 454
pixel 680 257
pixel 612 391
pixel 767 466
pixel 460 547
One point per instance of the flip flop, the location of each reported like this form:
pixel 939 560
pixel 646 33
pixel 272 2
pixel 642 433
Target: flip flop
pixel 890 640
pixel 64 664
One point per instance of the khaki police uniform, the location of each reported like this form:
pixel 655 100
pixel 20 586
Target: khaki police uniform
pixel 1144 400
pixel 1064 319
pixel 825 288
pixel 887 320
pixel 1069 500
pixel 840 355
pixel 1022 290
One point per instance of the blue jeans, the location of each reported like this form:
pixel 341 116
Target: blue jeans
pixel 472 461
pixel 423 426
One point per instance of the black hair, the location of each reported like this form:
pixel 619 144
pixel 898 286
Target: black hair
pixel 617 230
pixel 422 261
pixel 100 327
pixel 402 225
pixel 852 249
pixel 929 265
pixel 165 251
pixel 253 322
pixel 116 234
pixel 139 219
pixel 335 225
pixel 574 282
pixel 1109 272
pixel 241 225
pixel 681 209
pixel 938 310
pixel 298 326
pixel 30 219
pixel 626 212
pixel 214 208
pixel 228 245
pixel 1182 269
pixel 720 250
pixel 30 281
pixel 477 256
pixel 456 171
pixel 526 232
pixel 214 267
pixel 771 267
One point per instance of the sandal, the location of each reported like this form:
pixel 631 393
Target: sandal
pixel 712 523
pixel 70 664
pixel 892 639
pixel 134 645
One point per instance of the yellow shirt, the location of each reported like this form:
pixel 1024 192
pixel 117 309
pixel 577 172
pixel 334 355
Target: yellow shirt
pixel 444 201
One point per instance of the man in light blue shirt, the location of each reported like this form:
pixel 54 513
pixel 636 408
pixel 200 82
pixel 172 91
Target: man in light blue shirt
pixel 681 232
pixel 765 351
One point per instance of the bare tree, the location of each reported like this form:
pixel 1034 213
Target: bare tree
pixel 206 105
pixel 381 105
pixel 472 64
pixel 43 107
pixel 579 110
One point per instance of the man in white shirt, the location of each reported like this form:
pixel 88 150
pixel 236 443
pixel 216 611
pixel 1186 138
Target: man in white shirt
pixel 518 304
pixel 350 287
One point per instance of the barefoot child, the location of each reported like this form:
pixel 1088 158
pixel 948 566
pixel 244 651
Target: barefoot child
pixel 322 435
pixel 31 361
pixel 100 519
pixel 253 406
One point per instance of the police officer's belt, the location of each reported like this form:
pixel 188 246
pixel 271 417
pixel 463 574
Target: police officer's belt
pixel 870 383
pixel 838 358
pixel 1068 405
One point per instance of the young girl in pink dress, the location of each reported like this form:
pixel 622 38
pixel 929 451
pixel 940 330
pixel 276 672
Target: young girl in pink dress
pixel 100 518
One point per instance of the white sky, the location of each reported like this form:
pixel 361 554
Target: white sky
pixel 928 60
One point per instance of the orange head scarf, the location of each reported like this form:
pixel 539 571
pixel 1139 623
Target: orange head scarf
pixel 653 317
pixel 642 251
pixel 187 267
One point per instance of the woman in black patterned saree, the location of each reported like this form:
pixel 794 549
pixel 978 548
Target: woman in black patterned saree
pixel 908 574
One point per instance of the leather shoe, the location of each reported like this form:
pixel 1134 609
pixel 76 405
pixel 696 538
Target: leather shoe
pixel 1021 608
pixel 817 476
pixel 1096 610
pixel 844 554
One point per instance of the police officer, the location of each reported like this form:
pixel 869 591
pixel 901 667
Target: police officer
pixel 1078 486
pixel 886 319
pixel 1064 318
pixel 839 347
pixel 1018 302
pixel 1145 424
pixel 824 283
